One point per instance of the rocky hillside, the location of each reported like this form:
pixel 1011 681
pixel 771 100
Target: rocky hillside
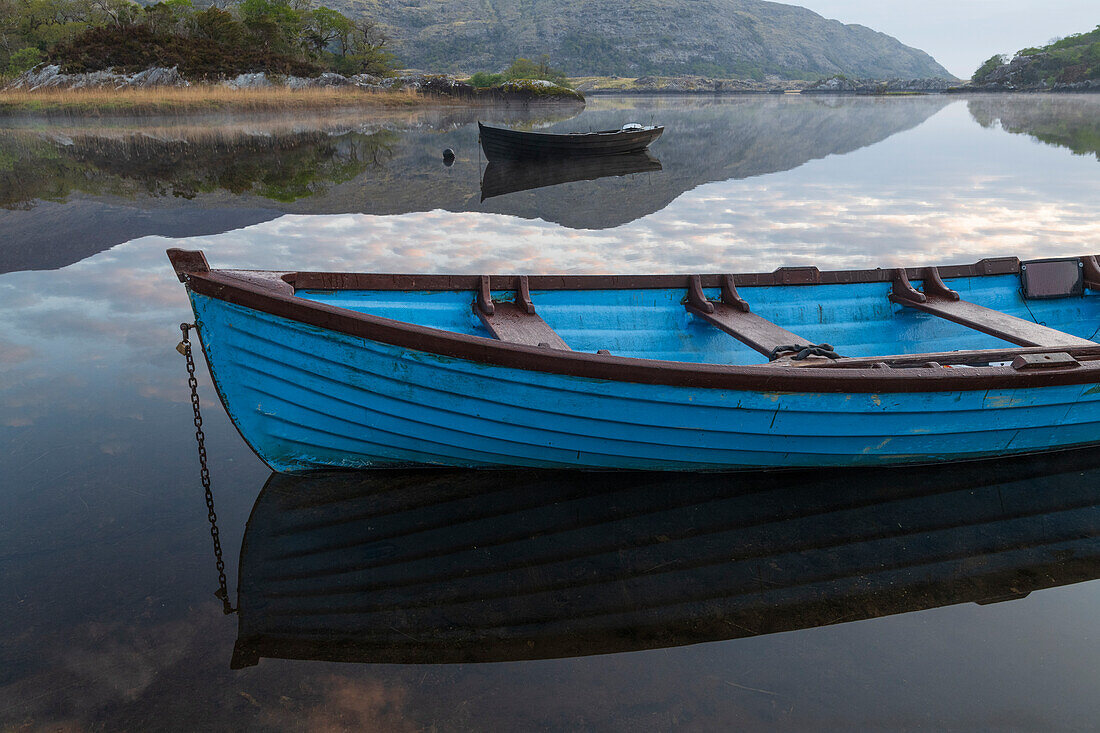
pixel 718 38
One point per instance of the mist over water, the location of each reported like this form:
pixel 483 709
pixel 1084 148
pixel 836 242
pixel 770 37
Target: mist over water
pixel 106 574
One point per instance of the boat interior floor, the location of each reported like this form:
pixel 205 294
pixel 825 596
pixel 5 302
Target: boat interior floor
pixel 865 323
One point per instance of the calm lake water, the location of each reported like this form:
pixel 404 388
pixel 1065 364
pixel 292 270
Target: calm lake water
pixel 949 599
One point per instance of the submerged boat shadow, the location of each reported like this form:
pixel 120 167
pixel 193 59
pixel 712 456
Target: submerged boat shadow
pixel 458 566
pixel 510 176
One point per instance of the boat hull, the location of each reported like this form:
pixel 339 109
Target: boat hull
pixel 501 144
pixel 306 397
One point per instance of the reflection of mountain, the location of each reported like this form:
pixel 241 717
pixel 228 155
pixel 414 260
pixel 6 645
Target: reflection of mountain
pixel 709 140
pixel 510 176
pixel 492 566
pixel 396 167
pixel 1070 121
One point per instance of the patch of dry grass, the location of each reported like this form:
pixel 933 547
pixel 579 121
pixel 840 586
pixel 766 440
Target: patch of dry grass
pixel 201 98
pixel 605 82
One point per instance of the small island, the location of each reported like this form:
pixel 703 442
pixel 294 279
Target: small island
pixel 1069 64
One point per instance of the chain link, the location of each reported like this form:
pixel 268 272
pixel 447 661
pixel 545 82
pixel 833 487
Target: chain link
pixel 222 593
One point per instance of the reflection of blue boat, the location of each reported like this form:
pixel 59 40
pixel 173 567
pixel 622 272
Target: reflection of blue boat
pixel 654 372
pixel 452 566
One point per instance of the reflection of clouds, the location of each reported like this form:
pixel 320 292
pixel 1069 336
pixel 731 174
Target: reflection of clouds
pixel 350 704
pixel 14 354
pixel 755 227
pixel 125 674
pixel 95 666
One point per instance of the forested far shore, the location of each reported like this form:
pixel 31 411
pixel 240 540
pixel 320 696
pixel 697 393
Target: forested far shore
pixel 243 36
pixel 1072 62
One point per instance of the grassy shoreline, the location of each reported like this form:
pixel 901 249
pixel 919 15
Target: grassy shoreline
pixel 207 98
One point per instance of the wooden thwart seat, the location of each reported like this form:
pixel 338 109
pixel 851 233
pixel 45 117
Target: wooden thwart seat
pixel 515 322
pixel 939 300
pixel 733 316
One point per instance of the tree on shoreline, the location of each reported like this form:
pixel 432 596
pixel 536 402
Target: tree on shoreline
pixel 277 36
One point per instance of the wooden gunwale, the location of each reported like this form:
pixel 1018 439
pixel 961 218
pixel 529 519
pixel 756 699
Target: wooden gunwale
pixel 508 132
pixel 272 292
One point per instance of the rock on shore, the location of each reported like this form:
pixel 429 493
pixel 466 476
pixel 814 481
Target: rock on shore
pixel 51 77
pixel 841 85
pixel 700 84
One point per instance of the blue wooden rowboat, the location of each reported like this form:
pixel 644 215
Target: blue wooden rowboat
pixel 663 372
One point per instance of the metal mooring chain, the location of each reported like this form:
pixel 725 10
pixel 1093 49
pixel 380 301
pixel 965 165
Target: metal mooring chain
pixel 222 593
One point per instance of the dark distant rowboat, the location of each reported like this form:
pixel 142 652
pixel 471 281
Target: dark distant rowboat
pixel 669 372
pixel 509 176
pixel 503 144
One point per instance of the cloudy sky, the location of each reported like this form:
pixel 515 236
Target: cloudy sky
pixel 961 34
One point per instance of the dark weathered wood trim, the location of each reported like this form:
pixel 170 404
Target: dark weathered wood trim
pixel 782 276
pixel 979 357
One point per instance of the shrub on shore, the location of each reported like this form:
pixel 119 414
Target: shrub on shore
pixel 276 36
pixel 522 68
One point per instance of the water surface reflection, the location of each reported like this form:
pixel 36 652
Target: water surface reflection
pixel 432 567
pixel 106 614
pixel 219 174
pixel 1072 122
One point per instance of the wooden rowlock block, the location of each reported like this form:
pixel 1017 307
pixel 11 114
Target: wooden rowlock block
pixel 1045 361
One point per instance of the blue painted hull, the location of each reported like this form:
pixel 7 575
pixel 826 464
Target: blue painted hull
pixel 306 397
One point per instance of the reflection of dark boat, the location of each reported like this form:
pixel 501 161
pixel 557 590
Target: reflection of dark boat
pixel 509 176
pixel 503 144
pixel 460 566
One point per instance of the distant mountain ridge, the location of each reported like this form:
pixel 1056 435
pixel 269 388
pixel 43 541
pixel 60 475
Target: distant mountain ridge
pixel 731 38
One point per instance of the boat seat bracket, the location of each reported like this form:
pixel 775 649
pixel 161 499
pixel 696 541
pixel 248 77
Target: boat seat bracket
pixel 515 321
pixel 729 297
pixel 733 315
pixel 485 305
